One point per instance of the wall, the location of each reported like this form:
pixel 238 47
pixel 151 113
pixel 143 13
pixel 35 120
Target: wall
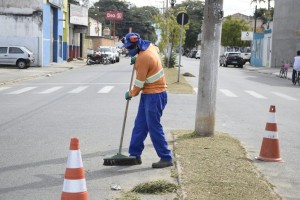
pixel 101 41
pixel 52 34
pixel 257 50
pixel 267 50
pixel 23 25
pixel 286 22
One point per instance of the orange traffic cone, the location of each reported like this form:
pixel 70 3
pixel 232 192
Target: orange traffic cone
pixel 74 183
pixel 270 145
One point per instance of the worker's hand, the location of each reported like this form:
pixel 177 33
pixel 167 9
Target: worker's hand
pixel 133 59
pixel 127 95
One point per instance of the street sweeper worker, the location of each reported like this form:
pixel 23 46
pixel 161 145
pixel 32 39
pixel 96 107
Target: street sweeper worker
pixel 151 82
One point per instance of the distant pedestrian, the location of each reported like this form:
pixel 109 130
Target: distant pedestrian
pixel 296 66
pixel 150 80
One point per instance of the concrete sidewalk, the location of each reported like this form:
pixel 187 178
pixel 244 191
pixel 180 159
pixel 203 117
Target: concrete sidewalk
pixel 267 70
pixel 12 74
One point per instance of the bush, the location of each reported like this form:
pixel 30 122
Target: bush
pixel 173 60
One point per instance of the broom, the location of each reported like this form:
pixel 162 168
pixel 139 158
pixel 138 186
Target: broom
pixel 119 158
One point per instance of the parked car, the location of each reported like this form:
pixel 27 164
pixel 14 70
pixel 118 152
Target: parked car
pixel 16 55
pixel 246 57
pixel 231 58
pixel 192 54
pixel 198 54
pixel 116 53
pixel 107 50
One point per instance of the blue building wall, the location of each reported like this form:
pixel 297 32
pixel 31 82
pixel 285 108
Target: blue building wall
pixel 57 33
pixel 257 50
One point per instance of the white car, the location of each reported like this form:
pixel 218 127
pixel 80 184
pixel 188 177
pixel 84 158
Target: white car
pixel 117 54
pixel 198 54
pixel 108 51
pixel 16 55
pixel 246 56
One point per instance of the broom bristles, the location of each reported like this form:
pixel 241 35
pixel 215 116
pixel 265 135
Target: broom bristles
pixel 120 160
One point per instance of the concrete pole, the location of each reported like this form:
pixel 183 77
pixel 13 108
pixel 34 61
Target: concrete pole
pixel 208 72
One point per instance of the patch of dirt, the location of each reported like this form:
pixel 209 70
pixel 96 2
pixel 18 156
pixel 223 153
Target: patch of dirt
pixel 175 87
pixel 218 168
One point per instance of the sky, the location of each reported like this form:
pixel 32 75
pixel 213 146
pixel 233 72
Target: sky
pixel 230 6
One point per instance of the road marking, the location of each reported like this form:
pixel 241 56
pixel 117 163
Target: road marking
pixel 228 93
pixel 285 96
pixel 255 94
pixel 53 89
pixel 3 88
pixel 106 89
pixel 78 89
pixel 26 89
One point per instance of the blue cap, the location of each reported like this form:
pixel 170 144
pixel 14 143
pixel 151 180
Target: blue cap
pixel 130 39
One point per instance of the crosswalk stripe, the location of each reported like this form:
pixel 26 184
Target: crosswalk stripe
pixel 285 96
pixel 53 89
pixel 255 94
pixel 227 93
pixel 78 89
pixel 26 89
pixel 3 88
pixel 106 89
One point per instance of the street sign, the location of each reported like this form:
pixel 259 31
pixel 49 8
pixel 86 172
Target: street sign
pixel 184 16
pixel 113 15
pixel 246 35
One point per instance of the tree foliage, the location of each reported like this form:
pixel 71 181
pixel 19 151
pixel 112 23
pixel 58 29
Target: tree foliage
pixel 139 19
pixel 231 32
pixel 194 9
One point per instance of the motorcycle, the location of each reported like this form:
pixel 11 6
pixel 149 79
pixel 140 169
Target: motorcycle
pixel 94 58
pixel 104 59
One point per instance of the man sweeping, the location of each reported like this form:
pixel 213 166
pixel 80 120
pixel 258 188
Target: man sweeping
pixel 151 82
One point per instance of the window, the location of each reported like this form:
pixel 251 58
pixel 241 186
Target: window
pixel 15 50
pixel 3 50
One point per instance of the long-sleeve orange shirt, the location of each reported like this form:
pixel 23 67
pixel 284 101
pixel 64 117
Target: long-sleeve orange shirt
pixel 150 78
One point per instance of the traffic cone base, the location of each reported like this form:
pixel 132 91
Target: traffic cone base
pixel 270 150
pixel 74 196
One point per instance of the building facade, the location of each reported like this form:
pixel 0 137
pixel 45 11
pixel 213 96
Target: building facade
pixel 22 25
pixel 45 27
pixel 286 32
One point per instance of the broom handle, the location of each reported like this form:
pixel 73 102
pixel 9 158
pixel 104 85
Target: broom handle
pixel 125 115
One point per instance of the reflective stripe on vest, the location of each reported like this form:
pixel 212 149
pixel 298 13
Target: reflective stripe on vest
pixel 139 84
pixel 150 79
pixel 155 77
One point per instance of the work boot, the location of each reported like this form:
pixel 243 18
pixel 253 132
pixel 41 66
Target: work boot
pixel 162 164
pixel 138 160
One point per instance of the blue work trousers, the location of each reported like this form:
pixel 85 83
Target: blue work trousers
pixel 148 120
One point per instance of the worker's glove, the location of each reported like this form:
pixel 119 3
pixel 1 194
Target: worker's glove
pixel 133 59
pixel 127 95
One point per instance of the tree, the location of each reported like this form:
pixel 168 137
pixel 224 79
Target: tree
pixel 139 19
pixel 171 34
pixel 231 32
pixel 195 11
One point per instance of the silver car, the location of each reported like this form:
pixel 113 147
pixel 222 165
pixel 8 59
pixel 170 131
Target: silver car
pixel 108 51
pixel 16 55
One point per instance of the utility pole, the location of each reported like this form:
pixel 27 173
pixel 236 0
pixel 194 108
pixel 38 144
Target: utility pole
pixel 208 72
pixel 255 18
